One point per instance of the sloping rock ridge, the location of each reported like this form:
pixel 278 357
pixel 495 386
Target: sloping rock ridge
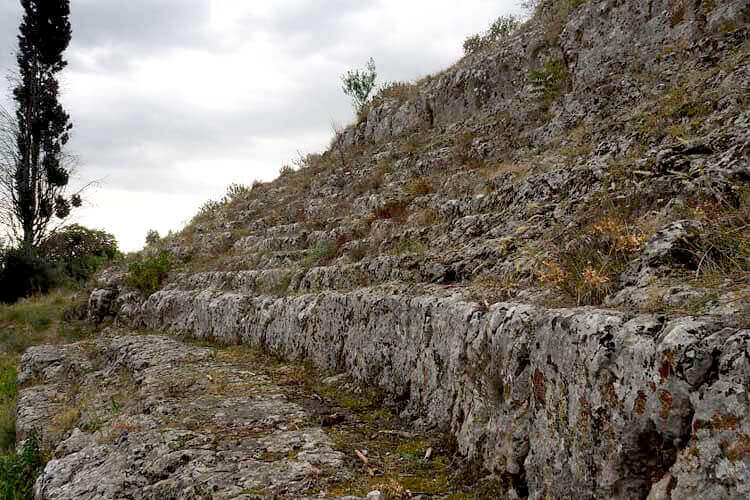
pixel 542 250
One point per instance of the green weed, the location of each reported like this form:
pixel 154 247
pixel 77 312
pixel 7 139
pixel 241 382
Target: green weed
pixel 551 80
pixel 8 396
pixel 18 472
pixel 322 253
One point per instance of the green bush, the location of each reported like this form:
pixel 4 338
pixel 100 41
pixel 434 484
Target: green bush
pixel 72 253
pixel 501 28
pixel 148 274
pixel 18 472
pixel 358 84
pixel 22 275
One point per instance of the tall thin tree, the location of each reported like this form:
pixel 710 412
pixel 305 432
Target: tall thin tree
pixel 42 127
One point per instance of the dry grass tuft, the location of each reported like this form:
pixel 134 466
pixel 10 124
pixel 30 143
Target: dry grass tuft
pixel 587 265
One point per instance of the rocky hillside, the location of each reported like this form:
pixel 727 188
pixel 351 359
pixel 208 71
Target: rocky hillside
pixel 543 250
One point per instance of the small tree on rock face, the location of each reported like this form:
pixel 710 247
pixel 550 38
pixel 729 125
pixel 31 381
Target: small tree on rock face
pixel 358 84
pixel 34 174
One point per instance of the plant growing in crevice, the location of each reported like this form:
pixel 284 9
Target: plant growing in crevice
pixel 587 267
pixel 677 14
pixel 553 15
pixel 359 83
pixel 418 186
pixel 338 143
pixel 322 253
pixel 398 91
pixel 409 246
pixel 549 81
pixel 391 210
pixel 723 251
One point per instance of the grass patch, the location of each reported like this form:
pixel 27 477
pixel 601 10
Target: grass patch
pixel 8 398
pixel 491 289
pixel 408 246
pixel 374 180
pixel 392 210
pixel 723 251
pixel 31 321
pixel 418 186
pixel 678 113
pixel 321 254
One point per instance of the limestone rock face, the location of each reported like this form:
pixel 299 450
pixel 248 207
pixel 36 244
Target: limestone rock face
pixel 580 401
pixel 599 40
pixel 100 303
pixel 672 243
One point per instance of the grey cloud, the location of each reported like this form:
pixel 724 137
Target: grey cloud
pixel 149 133
pixel 135 141
pixel 119 30
pixel 140 24
pixel 313 27
pixel 124 31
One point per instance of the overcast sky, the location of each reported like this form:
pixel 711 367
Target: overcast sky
pixel 172 100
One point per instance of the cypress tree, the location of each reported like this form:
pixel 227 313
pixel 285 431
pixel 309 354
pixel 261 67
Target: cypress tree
pixel 43 126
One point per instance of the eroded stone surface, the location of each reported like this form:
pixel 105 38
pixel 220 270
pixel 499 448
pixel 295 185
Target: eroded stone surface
pixel 574 400
pixel 177 423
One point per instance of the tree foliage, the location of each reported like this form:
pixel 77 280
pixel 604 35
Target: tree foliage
pixel 23 274
pixel 77 251
pixel 152 237
pixel 34 169
pixel 359 83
